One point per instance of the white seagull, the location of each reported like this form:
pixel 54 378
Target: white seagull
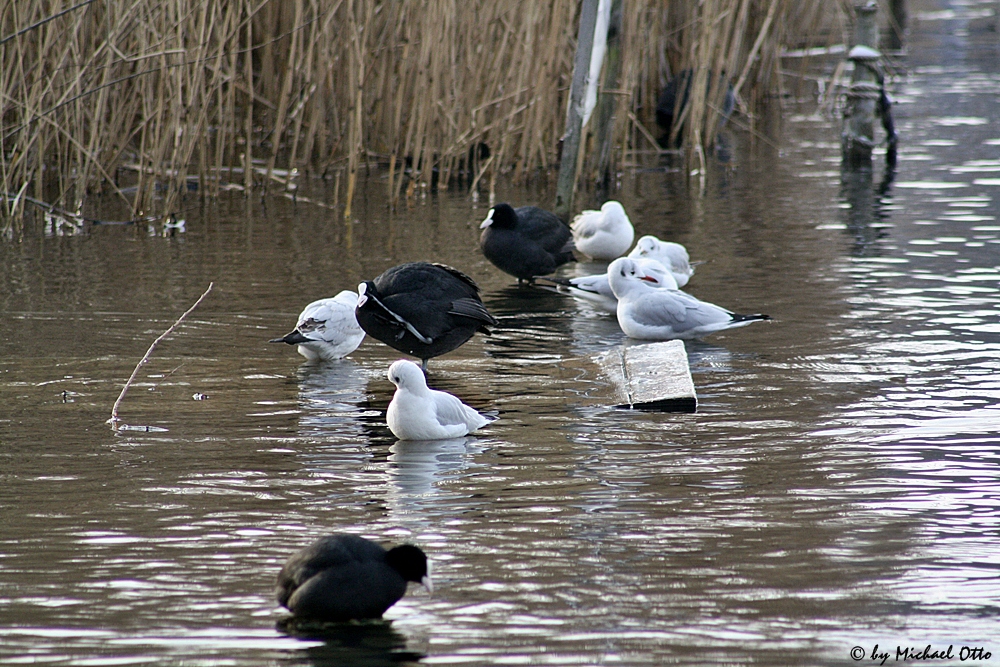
pixel 604 234
pixel 649 313
pixel 327 329
pixel 596 289
pixel 420 413
pixel 674 256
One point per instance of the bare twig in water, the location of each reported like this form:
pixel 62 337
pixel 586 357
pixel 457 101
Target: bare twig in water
pixel 114 421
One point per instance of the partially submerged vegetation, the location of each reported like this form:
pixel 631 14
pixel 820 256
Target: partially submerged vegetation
pixel 144 100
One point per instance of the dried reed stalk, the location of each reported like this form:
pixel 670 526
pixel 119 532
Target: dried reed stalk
pixel 160 94
pixel 114 421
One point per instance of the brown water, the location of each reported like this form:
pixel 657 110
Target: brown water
pixel 838 487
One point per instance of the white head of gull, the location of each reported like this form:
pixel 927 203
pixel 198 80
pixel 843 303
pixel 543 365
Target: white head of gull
pixel 596 289
pixel 327 329
pixel 418 412
pixel 672 255
pixel 604 234
pixel 648 313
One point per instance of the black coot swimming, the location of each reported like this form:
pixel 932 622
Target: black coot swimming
pixel 525 242
pixel 422 309
pixel 346 577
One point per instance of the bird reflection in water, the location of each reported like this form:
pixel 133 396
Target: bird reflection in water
pixel 356 643
pixel 331 398
pixel 418 467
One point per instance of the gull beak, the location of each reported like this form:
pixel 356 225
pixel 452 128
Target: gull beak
pixel 488 221
pixel 648 279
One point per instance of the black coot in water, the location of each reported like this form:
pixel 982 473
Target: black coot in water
pixel 346 577
pixel 422 309
pixel 525 242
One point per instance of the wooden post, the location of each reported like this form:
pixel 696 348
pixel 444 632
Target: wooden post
pixel 607 104
pixel 566 184
pixel 897 25
pixel 858 137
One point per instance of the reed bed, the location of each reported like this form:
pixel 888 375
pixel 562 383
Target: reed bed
pixel 148 100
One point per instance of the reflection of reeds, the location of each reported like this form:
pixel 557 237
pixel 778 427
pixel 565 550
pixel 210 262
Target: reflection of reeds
pixel 158 94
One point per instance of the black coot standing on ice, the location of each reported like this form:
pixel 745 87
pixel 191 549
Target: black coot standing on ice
pixel 525 242
pixel 422 309
pixel 346 577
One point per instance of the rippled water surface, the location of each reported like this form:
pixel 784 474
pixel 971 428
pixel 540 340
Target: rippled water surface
pixel 839 485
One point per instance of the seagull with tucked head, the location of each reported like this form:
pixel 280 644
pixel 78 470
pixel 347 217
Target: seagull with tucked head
pixel 596 289
pixel 604 234
pixel 418 412
pixel 327 329
pixel 672 255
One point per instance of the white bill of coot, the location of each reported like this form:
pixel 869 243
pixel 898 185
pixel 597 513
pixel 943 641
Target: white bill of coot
pixel 525 242
pixel 649 313
pixel 418 412
pixel 605 234
pixel 346 577
pixel 327 329
pixel 672 255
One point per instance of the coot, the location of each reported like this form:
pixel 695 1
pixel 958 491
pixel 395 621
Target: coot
pixel 525 242
pixel 422 309
pixel 346 577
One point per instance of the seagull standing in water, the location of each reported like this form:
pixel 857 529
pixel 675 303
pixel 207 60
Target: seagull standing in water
pixel 420 413
pixel 650 313
pixel 327 329
pixel 604 234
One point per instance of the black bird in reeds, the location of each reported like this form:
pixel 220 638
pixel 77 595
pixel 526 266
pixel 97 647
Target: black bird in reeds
pixel 422 309
pixel 680 86
pixel 526 241
pixel 346 577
